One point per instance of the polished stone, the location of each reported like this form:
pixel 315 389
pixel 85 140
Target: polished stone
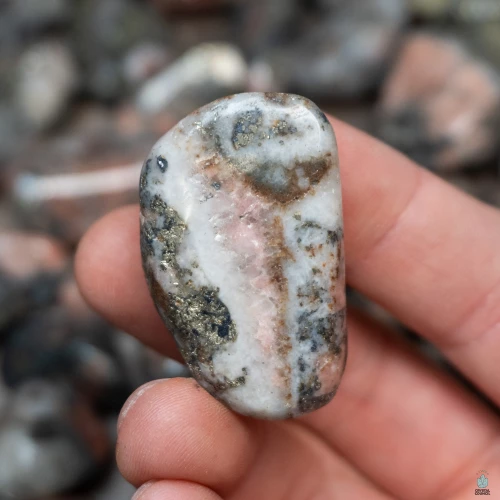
pixel 242 246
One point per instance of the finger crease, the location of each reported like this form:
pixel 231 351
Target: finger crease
pixel 468 319
pixel 475 462
pixel 379 241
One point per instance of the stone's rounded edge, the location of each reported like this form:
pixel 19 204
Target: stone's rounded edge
pixel 286 413
pixel 250 411
pixel 279 99
pixel 325 399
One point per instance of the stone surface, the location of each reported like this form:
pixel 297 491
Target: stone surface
pixel 242 244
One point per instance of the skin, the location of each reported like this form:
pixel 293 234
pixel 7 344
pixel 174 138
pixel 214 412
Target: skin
pixel 398 426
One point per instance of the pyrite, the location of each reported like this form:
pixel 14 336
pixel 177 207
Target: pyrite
pixel 242 247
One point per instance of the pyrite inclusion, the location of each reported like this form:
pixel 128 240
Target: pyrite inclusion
pixel 242 246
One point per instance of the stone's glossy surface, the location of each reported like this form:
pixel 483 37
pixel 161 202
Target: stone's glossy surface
pixel 242 245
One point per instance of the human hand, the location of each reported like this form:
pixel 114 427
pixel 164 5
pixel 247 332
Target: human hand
pixel 398 427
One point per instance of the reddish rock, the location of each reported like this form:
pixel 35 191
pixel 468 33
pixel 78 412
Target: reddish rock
pixel 31 267
pixel 440 105
pixel 24 255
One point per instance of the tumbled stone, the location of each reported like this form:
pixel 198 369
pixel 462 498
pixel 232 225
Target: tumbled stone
pixel 242 246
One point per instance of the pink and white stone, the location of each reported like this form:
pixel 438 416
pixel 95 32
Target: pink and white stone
pixel 242 245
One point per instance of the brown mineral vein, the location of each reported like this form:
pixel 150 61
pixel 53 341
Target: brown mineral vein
pixel 279 252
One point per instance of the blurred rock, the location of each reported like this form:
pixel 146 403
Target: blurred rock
pixel 64 184
pixel 37 15
pixel 8 219
pixel 69 343
pixel 105 31
pixel 188 31
pixel 13 133
pixel 477 11
pixel 265 24
pixel 105 81
pixel 31 267
pixel 358 114
pixel 52 438
pixel 172 368
pixel 485 39
pixel 482 184
pixel 79 350
pixel 19 297
pixel 346 53
pixel 170 7
pixel 457 11
pixel 47 79
pixel 67 204
pixel 5 398
pixel 432 9
pixel 139 363
pixel 117 25
pixel 142 364
pixel 201 75
pixel 71 300
pixel 115 488
pixel 143 61
pixel 24 255
pixel 447 116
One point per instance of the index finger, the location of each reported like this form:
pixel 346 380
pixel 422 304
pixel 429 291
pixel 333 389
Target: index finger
pixel 425 251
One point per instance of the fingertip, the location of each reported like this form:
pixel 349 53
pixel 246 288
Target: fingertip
pixel 174 490
pixel 106 246
pixel 176 430
pixel 133 399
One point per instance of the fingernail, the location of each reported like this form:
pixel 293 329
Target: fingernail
pixel 140 492
pixel 132 400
